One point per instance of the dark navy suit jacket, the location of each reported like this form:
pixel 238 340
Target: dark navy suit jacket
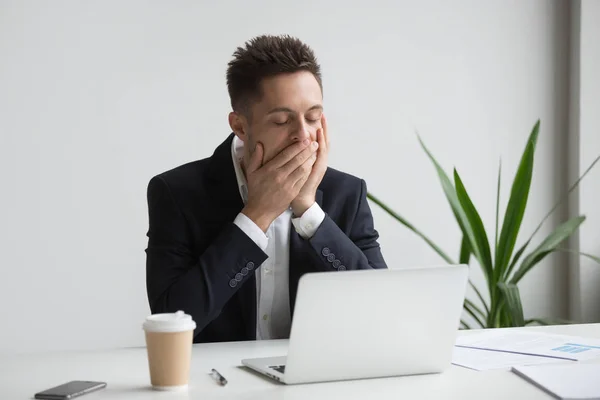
pixel 199 261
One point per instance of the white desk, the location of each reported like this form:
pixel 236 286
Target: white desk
pixel 126 373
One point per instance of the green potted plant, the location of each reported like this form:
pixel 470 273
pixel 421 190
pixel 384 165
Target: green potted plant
pixel 502 266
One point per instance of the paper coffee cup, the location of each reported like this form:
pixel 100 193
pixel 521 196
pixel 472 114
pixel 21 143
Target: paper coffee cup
pixel 169 339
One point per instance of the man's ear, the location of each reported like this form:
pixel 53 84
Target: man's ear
pixel 238 125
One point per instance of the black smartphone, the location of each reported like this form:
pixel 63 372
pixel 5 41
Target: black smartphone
pixel 70 390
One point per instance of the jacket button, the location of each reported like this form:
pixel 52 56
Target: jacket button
pixel 325 251
pixel 331 257
pixel 336 263
pixel 341 268
pixel 250 265
pixel 233 283
pixel 239 277
pixel 244 271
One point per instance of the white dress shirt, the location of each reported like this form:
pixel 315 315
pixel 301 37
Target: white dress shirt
pixel 272 278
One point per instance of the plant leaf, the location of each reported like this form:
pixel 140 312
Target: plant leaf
pixel 498 311
pixel 513 302
pixel 463 324
pixel 547 246
pixel 465 251
pixel 475 308
pixel 497 211
pixel 474 312
pixel 565 196
pixel 556 205
pixel 506 318
pixel 449 191
pixel 516 258
pixel 517 202
pixel 485 306
pixel 548 321
pixel 410 226
pixel 581 253
pixel 479 240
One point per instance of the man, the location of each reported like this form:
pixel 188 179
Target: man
pixel 230 235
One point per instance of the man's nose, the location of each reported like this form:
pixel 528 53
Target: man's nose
pixel 301 131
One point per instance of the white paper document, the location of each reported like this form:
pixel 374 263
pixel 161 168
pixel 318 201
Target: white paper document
pixel 564 347
pixel 570 381
pixel 482 360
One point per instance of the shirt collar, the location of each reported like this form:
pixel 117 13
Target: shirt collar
pixel 237 155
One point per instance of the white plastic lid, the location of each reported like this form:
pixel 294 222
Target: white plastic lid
pixel 169 322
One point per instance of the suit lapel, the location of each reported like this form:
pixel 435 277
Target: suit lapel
pixel 301 258
pixel 226 199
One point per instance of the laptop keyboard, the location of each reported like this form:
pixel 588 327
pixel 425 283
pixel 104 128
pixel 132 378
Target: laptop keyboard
pixel 278 368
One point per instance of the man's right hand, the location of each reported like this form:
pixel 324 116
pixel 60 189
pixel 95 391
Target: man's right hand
pixel 273 186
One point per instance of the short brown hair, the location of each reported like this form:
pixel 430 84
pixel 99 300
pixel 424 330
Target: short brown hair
pixel 262 57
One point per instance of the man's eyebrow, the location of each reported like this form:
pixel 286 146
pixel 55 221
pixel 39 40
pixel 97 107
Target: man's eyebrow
pixel 289 110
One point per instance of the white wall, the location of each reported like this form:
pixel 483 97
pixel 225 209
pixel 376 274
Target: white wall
pixel 96 98
pixel 585 147
pixel 589 142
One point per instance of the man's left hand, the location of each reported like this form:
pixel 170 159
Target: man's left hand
pixel 306 197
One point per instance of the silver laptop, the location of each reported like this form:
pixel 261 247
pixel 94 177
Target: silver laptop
pixel 371 323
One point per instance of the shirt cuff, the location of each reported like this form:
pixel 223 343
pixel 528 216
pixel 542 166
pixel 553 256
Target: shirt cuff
pixel 252 230
pixel 309 222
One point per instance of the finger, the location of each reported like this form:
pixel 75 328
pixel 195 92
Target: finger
pixel 320 165
pixel 323 148
pixel 324 129
pixel 256 158
pixel 300 159
pixel 314 178
pixel 303 171
pixel 299 185
pixel 322 141
pixel 288 153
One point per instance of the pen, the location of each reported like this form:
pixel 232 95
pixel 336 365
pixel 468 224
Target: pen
pixel 218 377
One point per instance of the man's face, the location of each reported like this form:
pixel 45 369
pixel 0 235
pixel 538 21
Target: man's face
pixel 289 111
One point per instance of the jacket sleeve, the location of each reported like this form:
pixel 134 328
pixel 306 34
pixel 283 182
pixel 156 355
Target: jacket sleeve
pixel 337 251
pixel 175 279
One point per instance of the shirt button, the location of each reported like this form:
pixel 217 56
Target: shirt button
pixel 309 226
pixel 239 277
pixel 331 257
pixel 336 263
pixel 325 251
pixel 265 317
pixel 250 265
pixel 244 271
pixel 233 283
